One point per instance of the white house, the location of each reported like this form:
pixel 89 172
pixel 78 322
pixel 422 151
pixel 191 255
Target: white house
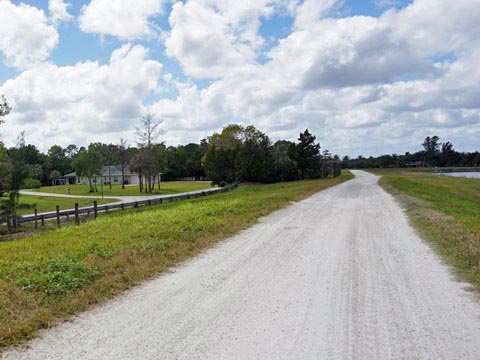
pixel 108 172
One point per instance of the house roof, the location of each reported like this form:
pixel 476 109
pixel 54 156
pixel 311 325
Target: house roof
pixel 115 170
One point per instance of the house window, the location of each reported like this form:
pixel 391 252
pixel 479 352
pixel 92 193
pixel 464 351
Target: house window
pixel 115 179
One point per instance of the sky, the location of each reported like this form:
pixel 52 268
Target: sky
pixel 365 76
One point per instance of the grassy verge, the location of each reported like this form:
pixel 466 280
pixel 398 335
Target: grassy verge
pixel 46 203
pixel 47 277
pixel 167 187
pixel 446 211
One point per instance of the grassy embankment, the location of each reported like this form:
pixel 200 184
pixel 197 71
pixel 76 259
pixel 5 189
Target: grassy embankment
pixel 446 211
pixel 166 188
pixel 45 278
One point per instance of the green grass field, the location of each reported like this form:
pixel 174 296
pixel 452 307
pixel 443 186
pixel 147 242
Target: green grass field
pixel 47 277
pixel 167 187
pixel 446 210
pixel 47 203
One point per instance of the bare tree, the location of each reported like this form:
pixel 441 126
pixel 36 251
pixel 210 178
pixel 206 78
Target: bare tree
pixel 123 157
pixel 71 151
pixel 146 161
pixel 21 139
pixel 108 155
pixel 149 131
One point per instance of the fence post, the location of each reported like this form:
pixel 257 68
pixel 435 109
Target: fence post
pixel 11 222
pixel 58 216
pixel 123 206
pixel 149 202
pixel 95 209
pixel 36 218
pixel 77 217
pixel 43 220
pixel 136 204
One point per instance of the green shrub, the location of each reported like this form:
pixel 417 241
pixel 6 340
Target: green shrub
pixel 31 183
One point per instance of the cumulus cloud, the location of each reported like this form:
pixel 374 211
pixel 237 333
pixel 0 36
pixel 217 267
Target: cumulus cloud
pixel 334 53
pixel 75 104
pixel 362 84
pixel 27 37
pixel 310 11
pixel 434 27
pixel 125 19
pixel 351 77
pixel 59 11
pixel 211 39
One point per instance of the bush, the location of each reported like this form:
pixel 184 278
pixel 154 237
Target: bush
pixel 31 183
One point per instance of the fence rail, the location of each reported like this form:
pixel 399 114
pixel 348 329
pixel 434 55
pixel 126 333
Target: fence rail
pixel 95 209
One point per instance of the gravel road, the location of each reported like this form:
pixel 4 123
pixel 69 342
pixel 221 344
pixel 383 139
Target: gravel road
pixel 340 275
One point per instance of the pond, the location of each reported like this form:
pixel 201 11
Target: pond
pixel 472 175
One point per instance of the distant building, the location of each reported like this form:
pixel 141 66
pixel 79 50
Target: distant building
pixel 415 164
pixel 108 172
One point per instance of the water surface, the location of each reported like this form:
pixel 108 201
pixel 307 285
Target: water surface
pixel 471 175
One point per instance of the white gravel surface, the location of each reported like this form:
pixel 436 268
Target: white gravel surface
pixel 340 275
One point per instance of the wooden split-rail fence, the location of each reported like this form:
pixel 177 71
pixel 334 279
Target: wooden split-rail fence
pixel 39 219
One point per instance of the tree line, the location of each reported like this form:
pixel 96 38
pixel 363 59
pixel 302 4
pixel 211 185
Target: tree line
pixel 241 153
pixel 433 154
pixel 237 153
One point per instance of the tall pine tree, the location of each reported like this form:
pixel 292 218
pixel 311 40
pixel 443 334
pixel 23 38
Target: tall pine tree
pixel 305 152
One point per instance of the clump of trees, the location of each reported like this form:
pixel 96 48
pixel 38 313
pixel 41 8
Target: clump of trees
pixel 88 163
pixel 43 169
pixel 246 154
pixel 434 154
pixel 239 153
pixel 13 171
